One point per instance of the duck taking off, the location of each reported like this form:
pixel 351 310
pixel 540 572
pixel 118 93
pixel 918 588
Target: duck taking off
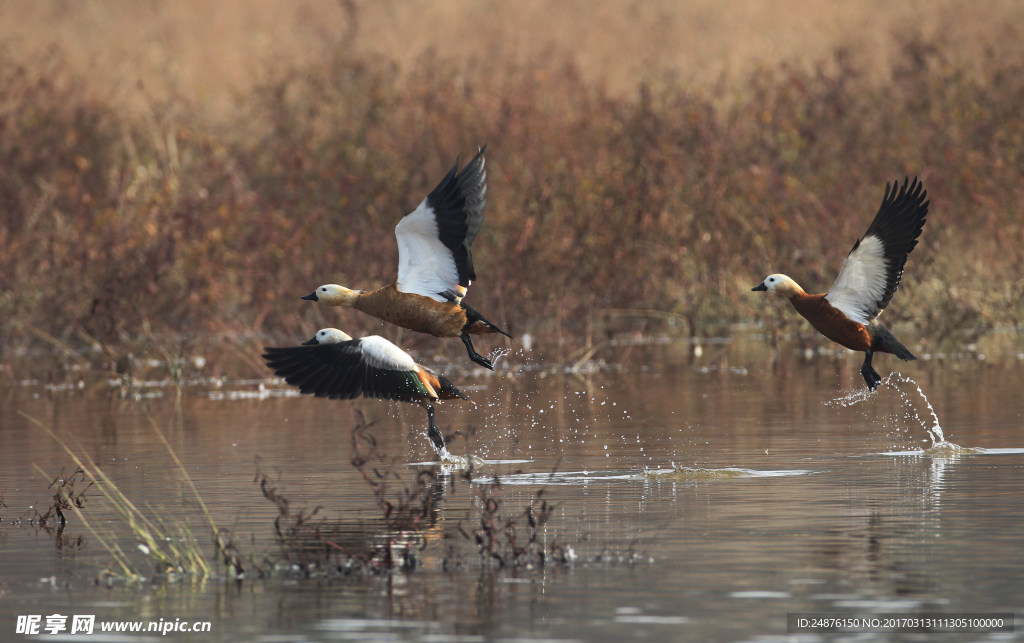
pixel 848 313
pixel 334 365
pixel 435 265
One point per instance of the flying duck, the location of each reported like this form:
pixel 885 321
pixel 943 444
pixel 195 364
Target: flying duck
pixel 334 365
pixel 848 313
pixel 435 265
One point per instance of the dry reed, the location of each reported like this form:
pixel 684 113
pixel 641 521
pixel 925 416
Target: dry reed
pixel 674 198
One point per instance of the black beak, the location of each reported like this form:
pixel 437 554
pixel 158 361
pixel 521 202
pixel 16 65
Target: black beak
pixel 310 297
pixel 312 342
pixel 754 289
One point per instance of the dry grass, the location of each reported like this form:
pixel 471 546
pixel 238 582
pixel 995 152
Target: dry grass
pixel 184 214
pixel 168 544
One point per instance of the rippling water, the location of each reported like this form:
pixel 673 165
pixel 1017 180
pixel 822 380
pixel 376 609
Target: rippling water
pixel 700 501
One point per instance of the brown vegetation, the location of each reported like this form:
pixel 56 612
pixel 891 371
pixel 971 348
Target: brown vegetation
pixel 411 522
pixel 212 54
pixel 673 197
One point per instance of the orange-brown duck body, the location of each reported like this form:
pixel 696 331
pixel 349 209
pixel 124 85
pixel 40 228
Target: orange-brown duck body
pixel 435 265
pixel 410 310
pixel 831 322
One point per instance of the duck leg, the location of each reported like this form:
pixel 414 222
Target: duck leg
pixel 473 355
pixel 870 375
pixel 434 434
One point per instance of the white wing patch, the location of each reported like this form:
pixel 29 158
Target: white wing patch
pixel 861 283
pixel 425 266
pixel 380 353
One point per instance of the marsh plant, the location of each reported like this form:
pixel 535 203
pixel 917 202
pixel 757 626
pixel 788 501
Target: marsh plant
pixel 409 530
pixel 65 497
pixel 167 542
pixel 410 521
pixel 669 198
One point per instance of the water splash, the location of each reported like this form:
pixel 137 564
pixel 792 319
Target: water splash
pixel 446 457
pixel 940 447
pixel 450 462
pixel 934 431
pixel 950 451
pixel 850 398
pixel 496 354
pixel 675 474
pixel 688 473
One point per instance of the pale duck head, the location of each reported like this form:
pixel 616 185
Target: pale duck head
pixel 333 295
pixel 780 285
pixel 328 336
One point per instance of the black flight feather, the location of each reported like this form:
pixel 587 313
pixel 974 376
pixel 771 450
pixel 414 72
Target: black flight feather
pixel 458 204
pixel 340 372
pixel 897 225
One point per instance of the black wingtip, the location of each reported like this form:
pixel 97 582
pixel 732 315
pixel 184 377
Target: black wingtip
pixel 912 187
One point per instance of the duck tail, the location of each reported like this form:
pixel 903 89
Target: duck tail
pixel 476 324
pixel 448 390
pixel 886 342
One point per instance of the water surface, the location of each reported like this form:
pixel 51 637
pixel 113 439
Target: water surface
pixel 700 500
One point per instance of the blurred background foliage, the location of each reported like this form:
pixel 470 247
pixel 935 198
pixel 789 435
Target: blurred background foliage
pixel 174 170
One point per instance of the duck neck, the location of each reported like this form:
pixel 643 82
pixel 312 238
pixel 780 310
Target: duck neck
pixel 794 293
pixel 375 302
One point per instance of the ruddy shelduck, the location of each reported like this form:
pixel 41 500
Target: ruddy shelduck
pixel 848 313
pixel 334 365
pixel 435 265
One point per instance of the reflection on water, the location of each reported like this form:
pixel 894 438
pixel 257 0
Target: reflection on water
pixel 690 501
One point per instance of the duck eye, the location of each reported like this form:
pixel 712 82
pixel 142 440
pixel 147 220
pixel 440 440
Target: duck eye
pixel 772 279
pixel 323 290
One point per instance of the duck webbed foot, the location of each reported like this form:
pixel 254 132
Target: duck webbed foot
pixel 871 376
pixel 473 355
